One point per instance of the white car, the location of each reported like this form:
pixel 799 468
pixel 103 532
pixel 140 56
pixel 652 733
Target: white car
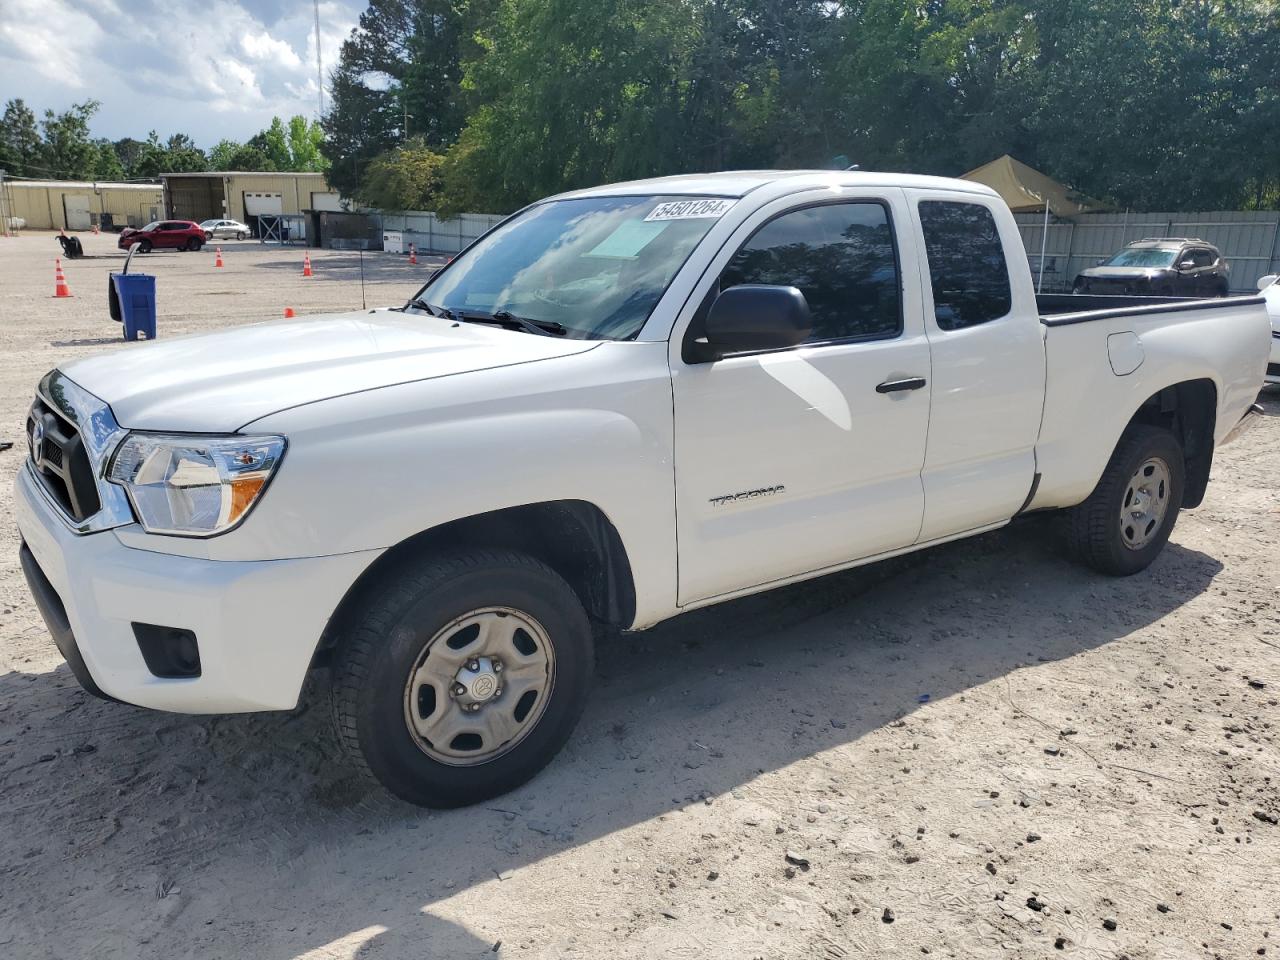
pixel 620 404
pixel 224 229
pixel 1270 290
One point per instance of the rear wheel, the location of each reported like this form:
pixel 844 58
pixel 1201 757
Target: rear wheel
pixel 1127 519
pixel 194 244
pixel 462 677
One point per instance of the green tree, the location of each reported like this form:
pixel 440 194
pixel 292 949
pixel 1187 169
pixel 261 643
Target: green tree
pixel 129 151
pixel 183 156
pixel 399 74
pixel 21 149
pixel 571 94
pixel 305 141
pixel 275 144
pixel 69 153
pixel 405 178
pixel 106 163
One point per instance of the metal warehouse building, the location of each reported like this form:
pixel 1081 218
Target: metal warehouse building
pixel 243 195
pixel 76 205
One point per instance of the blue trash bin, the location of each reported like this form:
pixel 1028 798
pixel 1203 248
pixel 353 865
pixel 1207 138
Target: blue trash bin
pixel 132 301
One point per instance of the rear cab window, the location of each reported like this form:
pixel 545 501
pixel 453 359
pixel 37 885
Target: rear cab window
pixel 967 266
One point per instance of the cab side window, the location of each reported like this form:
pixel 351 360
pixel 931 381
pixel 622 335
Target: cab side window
pixel 842 258
pixel 1200 257
pixel 966 264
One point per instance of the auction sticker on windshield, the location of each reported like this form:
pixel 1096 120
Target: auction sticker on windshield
pixel 695 208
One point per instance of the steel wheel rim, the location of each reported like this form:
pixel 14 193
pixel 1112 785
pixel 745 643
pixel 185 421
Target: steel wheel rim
pixel 479 686
pixel 1145 503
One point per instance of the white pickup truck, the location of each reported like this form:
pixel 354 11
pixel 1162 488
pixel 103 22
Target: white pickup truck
pixel 620 404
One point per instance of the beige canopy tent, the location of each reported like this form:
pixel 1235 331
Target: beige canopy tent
pixel 1027 190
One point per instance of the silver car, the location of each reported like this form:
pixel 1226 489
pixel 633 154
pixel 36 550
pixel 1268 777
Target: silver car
pixel 224 229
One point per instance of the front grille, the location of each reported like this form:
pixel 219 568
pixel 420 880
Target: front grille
pixel 1119 288
pixel 61 461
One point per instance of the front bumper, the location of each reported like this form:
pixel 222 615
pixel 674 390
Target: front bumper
pixel 257 623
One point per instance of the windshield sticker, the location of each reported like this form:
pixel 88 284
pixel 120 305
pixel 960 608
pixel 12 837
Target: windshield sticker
pixel 698 208
pixel 628 240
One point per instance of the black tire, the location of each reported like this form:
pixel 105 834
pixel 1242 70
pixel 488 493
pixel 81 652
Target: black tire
pixel 384 639
pixel 1097 535
pixel 194 244
pixel 208 235
pixel 240 235
pixel 144 246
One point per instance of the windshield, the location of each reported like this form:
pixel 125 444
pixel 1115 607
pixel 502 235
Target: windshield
pixel 597 265
pixel 1142 257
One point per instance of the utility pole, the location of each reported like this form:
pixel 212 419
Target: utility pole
pixel 4 208
pixel 404 130
pixel 319 65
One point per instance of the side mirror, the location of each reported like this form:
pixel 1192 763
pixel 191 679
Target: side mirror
pixel 1187 265
pixel 753 317
pixel 1268 280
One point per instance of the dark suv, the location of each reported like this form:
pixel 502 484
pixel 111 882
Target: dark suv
pixel 1159 267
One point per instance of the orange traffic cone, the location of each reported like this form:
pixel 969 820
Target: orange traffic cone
pixel 288 312
pixel 60 288
pixel 306 265
pixel 218 251
pixel 413 253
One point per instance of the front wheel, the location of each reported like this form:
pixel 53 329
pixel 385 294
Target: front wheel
pixel 1127 519
pixel 144 246
pixel 208 234
pixel 462 676
pixel 240 235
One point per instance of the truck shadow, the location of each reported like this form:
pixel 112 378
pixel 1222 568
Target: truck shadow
pixel 253 824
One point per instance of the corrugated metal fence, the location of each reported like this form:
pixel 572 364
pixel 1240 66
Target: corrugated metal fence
pixel 1249 240
pixel 430 234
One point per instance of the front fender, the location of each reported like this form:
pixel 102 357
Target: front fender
pixel 368 470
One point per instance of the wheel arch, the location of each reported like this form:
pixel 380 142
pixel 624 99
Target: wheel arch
pixel 1189 410
pixel 573 537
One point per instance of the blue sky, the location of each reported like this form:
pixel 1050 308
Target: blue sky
pixel 210 69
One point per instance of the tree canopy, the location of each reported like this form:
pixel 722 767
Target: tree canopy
pixel 60 147
pixel 1148 103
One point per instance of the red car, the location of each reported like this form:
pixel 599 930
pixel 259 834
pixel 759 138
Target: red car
pixel 174 234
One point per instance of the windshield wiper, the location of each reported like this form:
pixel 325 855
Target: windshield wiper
pixel 431 308
pixel 505 318
pixel 501 318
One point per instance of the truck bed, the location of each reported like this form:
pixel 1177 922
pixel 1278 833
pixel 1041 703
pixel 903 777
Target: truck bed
pixel 1083 307
pixel 1106 356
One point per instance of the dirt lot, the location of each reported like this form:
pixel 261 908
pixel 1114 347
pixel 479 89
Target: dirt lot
pixel 1004 750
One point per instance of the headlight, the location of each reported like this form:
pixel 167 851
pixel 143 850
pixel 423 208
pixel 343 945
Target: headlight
pixel 193 486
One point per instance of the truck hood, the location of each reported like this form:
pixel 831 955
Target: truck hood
pixel 218 382
pixel 1125 273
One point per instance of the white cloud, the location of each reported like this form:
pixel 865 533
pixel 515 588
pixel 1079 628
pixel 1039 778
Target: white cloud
pixel 215 69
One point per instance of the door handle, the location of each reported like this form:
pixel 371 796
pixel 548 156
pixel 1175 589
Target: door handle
pixel 894 386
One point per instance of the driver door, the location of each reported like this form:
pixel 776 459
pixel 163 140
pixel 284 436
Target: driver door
pixel 793 461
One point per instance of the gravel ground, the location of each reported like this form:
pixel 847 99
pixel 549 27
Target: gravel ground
pixel 982 751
